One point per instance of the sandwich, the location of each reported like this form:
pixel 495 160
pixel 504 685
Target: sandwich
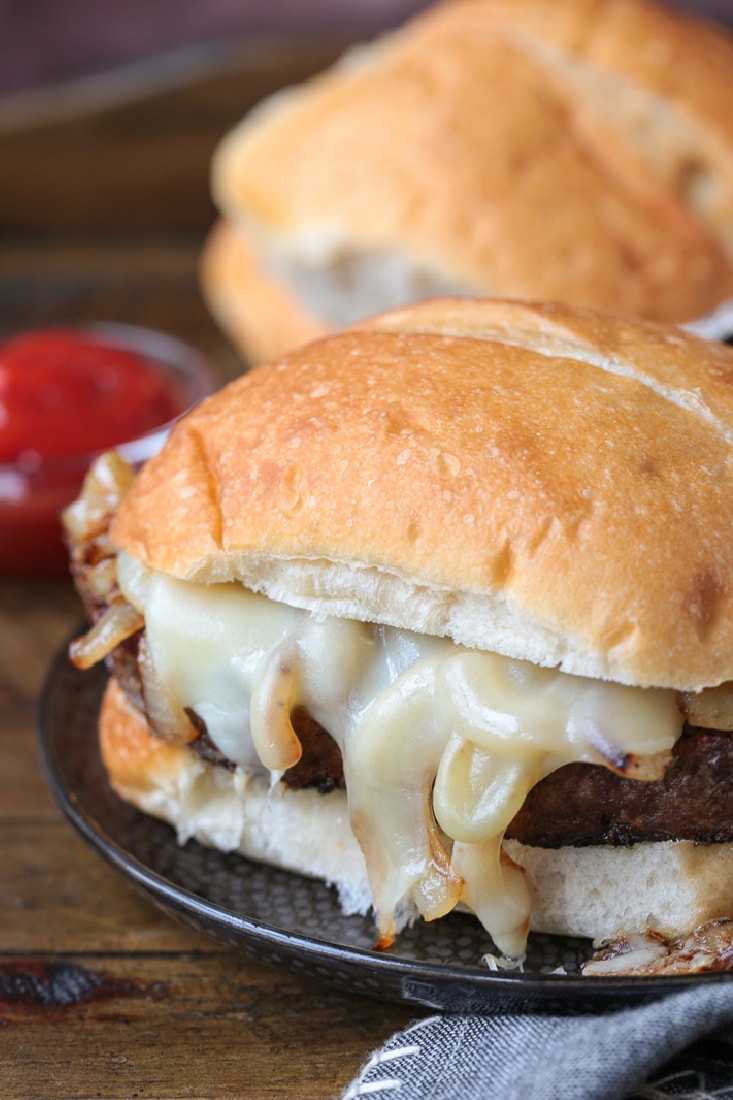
pixel 438 609
pixel 575 150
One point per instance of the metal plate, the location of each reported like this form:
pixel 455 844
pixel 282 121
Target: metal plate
pixel 288 920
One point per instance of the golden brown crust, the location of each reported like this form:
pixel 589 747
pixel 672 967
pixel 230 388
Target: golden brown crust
pixel 132 757
pixel 671 72
pixel 579 152
pixel 537 480
pixel 261 315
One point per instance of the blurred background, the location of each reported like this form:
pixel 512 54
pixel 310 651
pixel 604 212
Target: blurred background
pixel 76 70
pixel 109 114
pixel 56 40
pixel 67 63
pixel 47 42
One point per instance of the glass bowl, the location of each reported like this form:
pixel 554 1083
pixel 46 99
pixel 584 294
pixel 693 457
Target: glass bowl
pixel 34 493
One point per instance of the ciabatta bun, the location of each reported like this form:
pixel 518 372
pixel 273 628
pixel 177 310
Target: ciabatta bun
pixel 577 151
pixel 435 559
pixel 454 468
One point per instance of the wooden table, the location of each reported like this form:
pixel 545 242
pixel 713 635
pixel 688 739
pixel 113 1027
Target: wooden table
pixel 103 209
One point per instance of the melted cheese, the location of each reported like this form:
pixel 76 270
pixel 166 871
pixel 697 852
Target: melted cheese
pixel 440 744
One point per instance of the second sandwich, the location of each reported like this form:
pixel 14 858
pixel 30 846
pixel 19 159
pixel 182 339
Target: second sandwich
pixel 574 150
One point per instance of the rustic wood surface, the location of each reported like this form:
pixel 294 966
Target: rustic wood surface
pixel 102 995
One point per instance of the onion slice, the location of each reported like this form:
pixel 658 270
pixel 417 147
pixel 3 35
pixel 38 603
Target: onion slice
pixel 119 622
pixel 711 708
pixel 165 715
pixel 708 948
pixel 106 482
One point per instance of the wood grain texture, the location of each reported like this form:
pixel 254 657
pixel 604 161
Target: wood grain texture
pixel 148 280
pixel 131 152
pixel 195 1025
pixel 101 994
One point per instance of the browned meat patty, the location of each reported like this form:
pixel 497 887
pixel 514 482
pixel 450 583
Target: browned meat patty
pixel 580 804
pixel 583 804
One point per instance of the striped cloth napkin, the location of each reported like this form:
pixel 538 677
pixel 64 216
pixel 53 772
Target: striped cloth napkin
pixel 678 1046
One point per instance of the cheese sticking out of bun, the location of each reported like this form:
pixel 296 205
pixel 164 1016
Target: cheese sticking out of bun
pixel 436 560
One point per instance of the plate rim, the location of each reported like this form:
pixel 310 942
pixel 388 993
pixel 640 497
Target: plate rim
pixel 185 903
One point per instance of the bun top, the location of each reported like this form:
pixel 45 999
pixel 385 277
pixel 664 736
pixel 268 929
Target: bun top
pixel 575 150
pixel 544 482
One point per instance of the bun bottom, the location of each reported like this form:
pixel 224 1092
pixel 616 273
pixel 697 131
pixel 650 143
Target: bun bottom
pixel 300 831
pixel 669 887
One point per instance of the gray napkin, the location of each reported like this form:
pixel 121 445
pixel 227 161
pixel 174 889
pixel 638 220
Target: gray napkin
pixel 603 1056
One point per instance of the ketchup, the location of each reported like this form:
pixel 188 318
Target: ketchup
pixel 62 393
pixel 64 396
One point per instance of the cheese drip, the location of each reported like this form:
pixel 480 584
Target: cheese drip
pixel 440 743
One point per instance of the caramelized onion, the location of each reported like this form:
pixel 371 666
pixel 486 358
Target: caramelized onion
pixel 440 890
pixel 93 561
pixel 105 484
pixel 708 947
pixel 711 708
pixel 273 701
pixel 631 765
pixel 165 715
pixel 101 580
pixel 118 623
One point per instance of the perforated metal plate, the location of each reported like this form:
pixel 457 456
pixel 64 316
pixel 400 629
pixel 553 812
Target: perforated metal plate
pixel 288 920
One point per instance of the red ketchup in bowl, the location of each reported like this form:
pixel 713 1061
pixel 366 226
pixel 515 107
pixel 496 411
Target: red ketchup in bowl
pixel 62 393
pixel 66 395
